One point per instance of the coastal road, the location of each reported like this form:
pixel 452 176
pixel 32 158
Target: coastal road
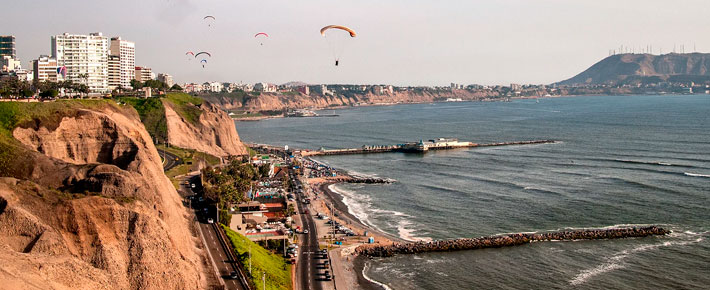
pixel 171 160
pixel 217 252
pixel 307 271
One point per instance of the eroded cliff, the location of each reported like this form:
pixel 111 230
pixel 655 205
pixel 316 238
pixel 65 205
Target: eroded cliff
pixel 210 130
pixel 278 101
pixel 84 204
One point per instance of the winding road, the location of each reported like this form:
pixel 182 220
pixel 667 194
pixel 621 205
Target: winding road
pixel 217 250
pixel 169 160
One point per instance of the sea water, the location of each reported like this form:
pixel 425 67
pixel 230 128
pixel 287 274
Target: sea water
pixel 619 160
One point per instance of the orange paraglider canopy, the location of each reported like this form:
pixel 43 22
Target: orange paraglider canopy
pixel 324 29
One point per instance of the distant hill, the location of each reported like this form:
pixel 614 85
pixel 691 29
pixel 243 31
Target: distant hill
pixel 645 68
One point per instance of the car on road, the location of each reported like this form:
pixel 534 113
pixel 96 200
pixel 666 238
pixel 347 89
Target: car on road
pixel 305 232
pixel 233 275
pixel 210 221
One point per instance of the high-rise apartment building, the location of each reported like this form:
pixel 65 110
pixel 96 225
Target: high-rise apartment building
pixel 85 58
pixel 45 69
pixel 126 53
pixel 114 72
pixel 7 46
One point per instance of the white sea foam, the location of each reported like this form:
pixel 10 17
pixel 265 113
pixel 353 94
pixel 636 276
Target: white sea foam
pixel 364 275
pixel 696 174
pixel 617 261
pixel 361 206
pixel 407 233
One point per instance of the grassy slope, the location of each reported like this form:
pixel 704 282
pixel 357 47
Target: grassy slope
pixel 152 113
pixel 186 106
pixel 278 272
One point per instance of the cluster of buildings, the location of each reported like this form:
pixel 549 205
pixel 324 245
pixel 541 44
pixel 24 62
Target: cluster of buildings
pixel 103 64
pixel 263 216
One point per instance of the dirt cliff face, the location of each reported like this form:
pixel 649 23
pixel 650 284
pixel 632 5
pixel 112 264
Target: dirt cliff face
pixel 266 102
pixel 214 132
pixel 87 206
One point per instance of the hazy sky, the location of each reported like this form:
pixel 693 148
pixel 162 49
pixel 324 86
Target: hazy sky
pixel 402 42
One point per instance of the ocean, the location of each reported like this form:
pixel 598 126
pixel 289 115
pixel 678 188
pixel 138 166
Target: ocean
pixel 620 160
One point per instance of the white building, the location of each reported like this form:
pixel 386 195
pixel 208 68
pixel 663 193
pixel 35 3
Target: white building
pixel 216 87
pixel 45 69
pixel 167 79
pixel 85 57
pixel 126 53
pixel 8 64
pixel 24 75
pixel 264 87
pixel 143 74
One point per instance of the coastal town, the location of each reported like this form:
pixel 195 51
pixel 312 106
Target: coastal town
pixel 491 160
pixel 291 211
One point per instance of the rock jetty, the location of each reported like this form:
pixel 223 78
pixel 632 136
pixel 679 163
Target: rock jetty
pixel 508 240
pixel 370 180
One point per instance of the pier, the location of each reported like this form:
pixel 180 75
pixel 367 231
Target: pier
pixel 508 240
pixel 416 147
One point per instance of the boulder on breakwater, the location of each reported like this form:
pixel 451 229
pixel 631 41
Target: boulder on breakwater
pixel 507 241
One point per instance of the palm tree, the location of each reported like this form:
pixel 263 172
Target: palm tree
pixel 85 79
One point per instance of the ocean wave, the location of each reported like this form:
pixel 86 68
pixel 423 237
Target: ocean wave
pixel 696 174
pixel 647 162
pixel 373 281
pixel 407 233
pixel 361 206
pixel 617 261
pixel 542 190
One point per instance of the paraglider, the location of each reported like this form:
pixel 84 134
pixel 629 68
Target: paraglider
pixel 209 19
pixel 262 34
pixel 62 71
pixel 336 36
pixel 190 55
pixel 203 52
pixel 204 61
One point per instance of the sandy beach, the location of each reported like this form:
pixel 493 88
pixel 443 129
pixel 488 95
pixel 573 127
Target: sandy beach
pixel 347 265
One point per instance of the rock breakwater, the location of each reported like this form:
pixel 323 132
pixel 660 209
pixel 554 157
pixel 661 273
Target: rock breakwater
pixel 508 240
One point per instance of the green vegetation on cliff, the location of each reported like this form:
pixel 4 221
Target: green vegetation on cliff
pixel 13 114
pixel 152 113
pixel 186 106
pixel 278 272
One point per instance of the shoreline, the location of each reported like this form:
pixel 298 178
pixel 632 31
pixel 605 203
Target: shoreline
pixel 353 260
pixel 502 100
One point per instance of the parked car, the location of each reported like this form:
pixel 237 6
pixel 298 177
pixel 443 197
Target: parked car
pixel 233 275
pixel 210 221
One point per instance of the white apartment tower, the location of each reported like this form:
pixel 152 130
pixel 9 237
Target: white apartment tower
pixel 85 57
pixel 126 52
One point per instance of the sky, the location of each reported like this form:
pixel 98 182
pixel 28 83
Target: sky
pixel 399 42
